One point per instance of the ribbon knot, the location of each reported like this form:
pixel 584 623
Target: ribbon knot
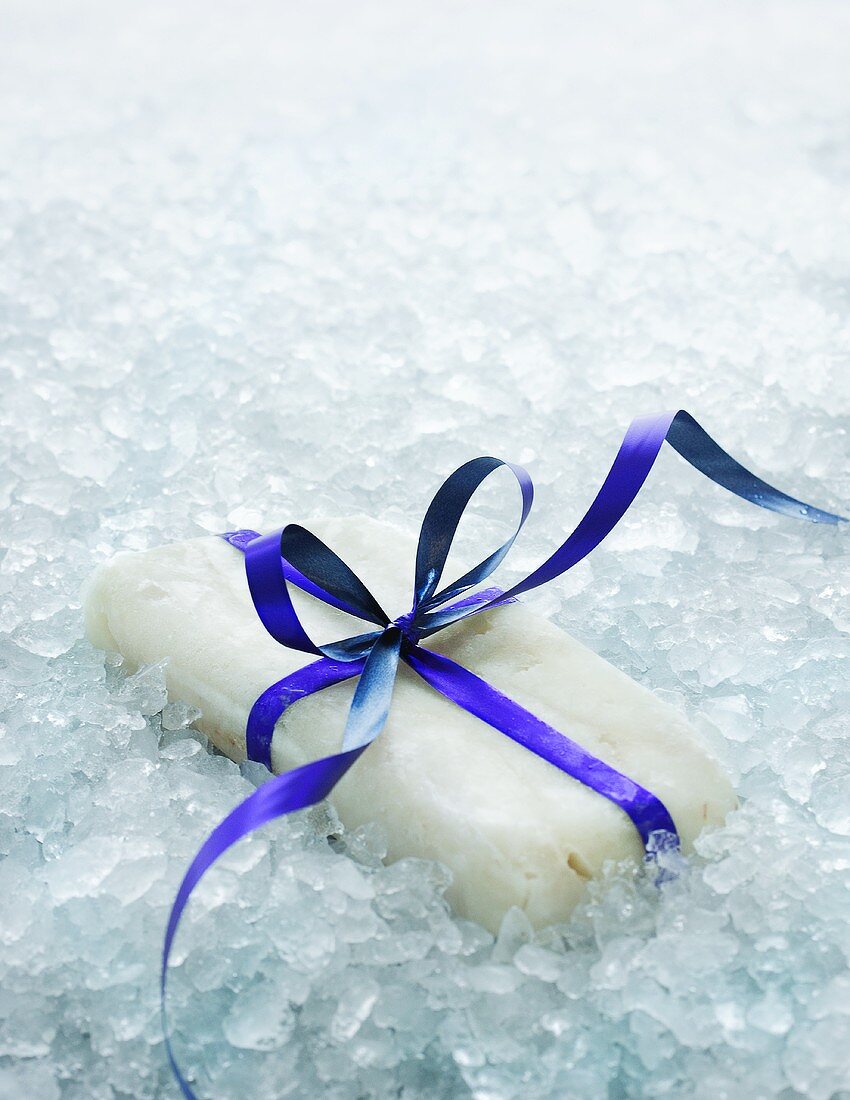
pixel 408 627
pixel 295 556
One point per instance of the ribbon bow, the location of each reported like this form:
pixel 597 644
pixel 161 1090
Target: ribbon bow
pixel 295 556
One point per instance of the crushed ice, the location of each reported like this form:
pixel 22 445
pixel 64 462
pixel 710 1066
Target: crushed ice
pixel 273 263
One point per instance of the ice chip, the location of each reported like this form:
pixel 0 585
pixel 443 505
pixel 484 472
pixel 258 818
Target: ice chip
pixel 259 1019
pixel 179 715
pixel 145 690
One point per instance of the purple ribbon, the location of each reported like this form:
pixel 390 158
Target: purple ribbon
pixel 293 555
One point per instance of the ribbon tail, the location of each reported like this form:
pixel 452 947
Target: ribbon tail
pixel 696 446
pixel 631 467
pixel 283 794
pixel 295 789
pixel 648 814
pixel 371 703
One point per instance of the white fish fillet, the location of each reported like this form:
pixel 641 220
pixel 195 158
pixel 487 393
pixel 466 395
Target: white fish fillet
pixel 513 829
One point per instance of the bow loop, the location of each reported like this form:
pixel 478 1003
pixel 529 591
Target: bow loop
pixel 440 526
pixel 295 555
pixel 320 564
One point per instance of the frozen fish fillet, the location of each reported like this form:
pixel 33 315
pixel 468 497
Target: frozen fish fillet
pixel 513 829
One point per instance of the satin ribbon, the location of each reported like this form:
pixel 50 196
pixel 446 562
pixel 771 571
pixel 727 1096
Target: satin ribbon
pixel 294 556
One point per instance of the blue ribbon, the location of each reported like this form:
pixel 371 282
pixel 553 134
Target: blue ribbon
pixel 294 556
